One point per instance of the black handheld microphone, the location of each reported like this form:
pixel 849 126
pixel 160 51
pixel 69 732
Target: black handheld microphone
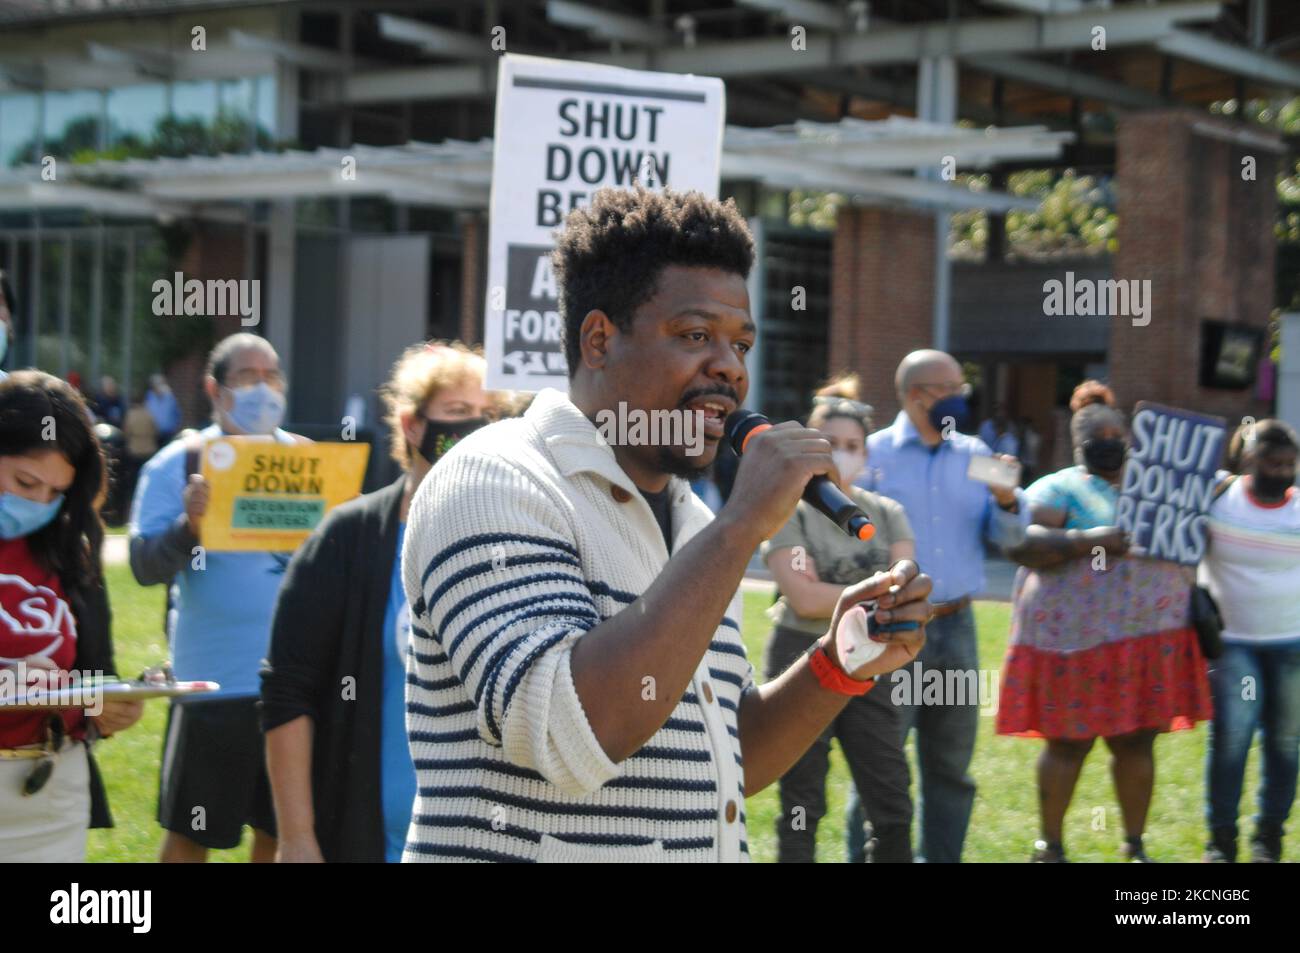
pixel 821 493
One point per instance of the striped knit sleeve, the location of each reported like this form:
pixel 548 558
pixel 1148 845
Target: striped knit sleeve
pixel 492 573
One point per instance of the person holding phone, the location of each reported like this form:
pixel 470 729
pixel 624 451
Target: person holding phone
pixel 922 460
pixel 813 561
pixel 1101 644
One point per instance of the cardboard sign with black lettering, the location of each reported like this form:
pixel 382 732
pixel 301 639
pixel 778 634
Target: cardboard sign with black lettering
pixel 563 131
pixel 1168 481
pixel 269 496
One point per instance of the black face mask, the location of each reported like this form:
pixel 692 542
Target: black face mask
pixel 1271 487
pixel 441 435
pixel 1104 456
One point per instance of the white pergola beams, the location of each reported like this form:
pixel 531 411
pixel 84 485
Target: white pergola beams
pixel 808 13
pixel 420 82
pixel 860 159
pixel 1042 7
pixel 151 64
pixel 1063 80
pixel 1127 25
pixel 898 143
pixel 786 173
pixel 298 54
pixel 433 39
pixel 71 195
pixel 1238 60
pixel 605 25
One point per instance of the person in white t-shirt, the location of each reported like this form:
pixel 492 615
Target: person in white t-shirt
pixel 1252 569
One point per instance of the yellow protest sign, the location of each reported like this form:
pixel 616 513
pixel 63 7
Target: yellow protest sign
pixel 269 496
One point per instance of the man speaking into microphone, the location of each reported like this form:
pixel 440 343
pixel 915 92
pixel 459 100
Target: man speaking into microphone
pixel 577 685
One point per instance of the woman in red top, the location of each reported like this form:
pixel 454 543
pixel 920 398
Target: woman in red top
pixel 54 618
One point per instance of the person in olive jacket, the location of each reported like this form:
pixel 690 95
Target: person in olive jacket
pixel 333 688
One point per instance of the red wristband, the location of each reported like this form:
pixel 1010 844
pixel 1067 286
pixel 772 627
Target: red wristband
pixel 832 678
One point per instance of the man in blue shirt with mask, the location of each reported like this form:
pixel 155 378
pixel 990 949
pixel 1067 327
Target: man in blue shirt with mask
pixel 213 779
pixel 921 461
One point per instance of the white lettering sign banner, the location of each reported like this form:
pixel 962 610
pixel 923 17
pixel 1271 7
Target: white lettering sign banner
pixel 564 130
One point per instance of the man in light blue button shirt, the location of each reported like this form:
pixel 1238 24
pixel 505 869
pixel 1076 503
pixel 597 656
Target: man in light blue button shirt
pixel 921 461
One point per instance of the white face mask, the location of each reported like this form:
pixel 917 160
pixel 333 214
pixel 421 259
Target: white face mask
pixel 848 463
pixel 258 408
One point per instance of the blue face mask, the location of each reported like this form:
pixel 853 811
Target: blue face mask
pixel 20 516
pixel 258 408
pixel 952 409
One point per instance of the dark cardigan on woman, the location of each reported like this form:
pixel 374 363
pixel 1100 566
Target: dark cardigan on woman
pixel 326 662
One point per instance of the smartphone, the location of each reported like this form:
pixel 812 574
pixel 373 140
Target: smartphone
pixel 994 471
pixel 874 627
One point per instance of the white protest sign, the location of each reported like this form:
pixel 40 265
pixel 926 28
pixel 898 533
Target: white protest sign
pixel 1168 481
pixel 563 131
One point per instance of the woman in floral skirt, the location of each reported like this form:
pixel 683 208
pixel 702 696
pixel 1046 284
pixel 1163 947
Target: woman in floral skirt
pixel 1101 643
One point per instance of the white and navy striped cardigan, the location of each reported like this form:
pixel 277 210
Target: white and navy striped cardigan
pixel 526 536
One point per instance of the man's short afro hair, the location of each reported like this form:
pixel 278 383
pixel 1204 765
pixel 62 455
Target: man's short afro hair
pixel 609 255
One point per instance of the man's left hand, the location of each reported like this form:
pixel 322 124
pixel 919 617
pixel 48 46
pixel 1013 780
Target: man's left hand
pixel 902 595
pixel 1006 496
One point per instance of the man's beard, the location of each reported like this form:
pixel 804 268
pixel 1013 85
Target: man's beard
pixel 674 465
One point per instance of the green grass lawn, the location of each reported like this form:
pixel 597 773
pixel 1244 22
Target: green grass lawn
pixel 129 762
pixel 1005 820
pixel 1003 828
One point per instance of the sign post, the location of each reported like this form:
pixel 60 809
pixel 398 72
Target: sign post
pixel 563 131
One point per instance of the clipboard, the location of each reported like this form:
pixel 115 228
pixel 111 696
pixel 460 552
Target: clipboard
pixel 90 693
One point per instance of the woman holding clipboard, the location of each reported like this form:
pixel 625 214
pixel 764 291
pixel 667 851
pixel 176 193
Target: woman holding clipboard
pixel 54 617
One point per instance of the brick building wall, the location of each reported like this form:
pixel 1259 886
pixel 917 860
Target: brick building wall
pixel 882 297
pixel 1203 236
pixel 214 251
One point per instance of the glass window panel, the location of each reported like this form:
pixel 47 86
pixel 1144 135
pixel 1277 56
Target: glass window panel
pixel 49 339
pixel 18 114
pixel 72 121
pixel 112 328
pixel 81 324
pixel 154 337
pixel 134 112
pixel 265 110
pixel 233 130
pixel 196 100
pixel 238 96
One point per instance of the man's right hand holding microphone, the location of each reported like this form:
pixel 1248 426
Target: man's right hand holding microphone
pixel 775 468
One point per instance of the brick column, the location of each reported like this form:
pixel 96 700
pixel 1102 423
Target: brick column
pixel 1203 236
pixel 882 297
pixel 215 252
